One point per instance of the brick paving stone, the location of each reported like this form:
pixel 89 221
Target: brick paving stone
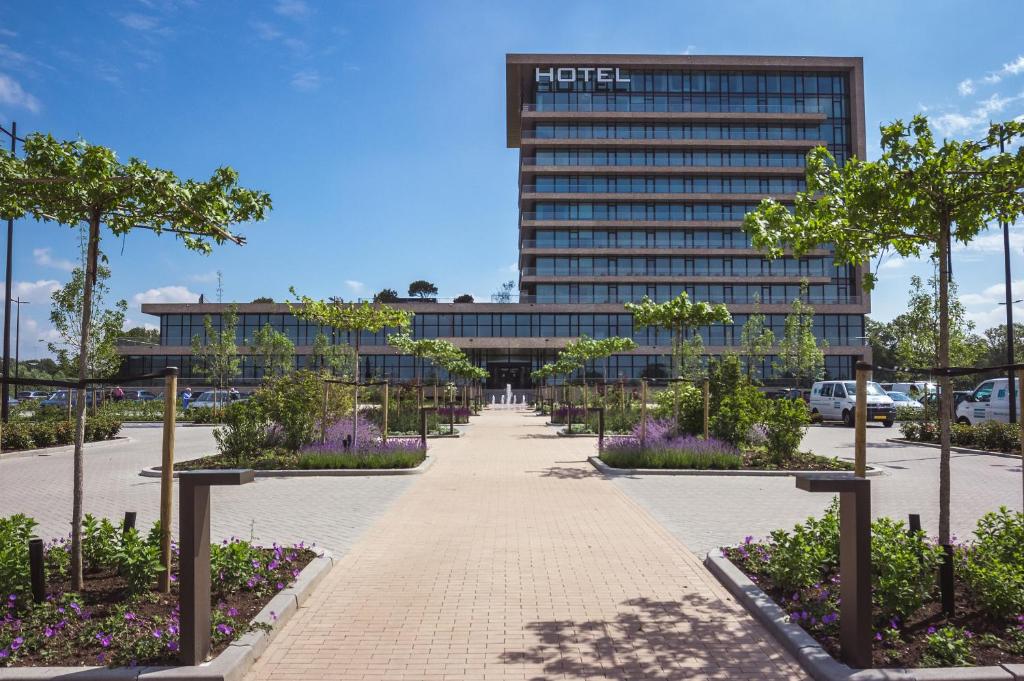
pixel 511 558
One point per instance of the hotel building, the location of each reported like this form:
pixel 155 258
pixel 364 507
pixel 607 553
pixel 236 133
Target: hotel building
pixel 635 173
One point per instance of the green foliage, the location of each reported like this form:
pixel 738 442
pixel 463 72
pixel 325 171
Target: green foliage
pixel 757 340
pixel 274 349
pixel 218 358
pixel 804 556
pixel 903 568
pixel 137 561
pixel 295 403
pixel 246 434
pixel 800 353
pixel 680 317
pixel 725 376
pixel 347 460
pixel 994 564
pixel 105 326
pixel 15 531
pixel 233 563
pixel 991 435
pixel 577 353
pixel 691 407
pixel 386 295
pixel 335 358
pixel 737 415
pixel 422 288
pixel 464 298
pixel 100 540
pixel 29 435
pixel 784 423
pixel 947 647
pixel 669 457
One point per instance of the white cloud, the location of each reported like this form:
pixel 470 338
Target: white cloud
pixel 357 287
pixel 991 241
pixel 204 277
pixel 690 49
pixel 955 123
pixel 966 87
pixel 984 310
pixel 306 81
pixel 892 264
pixel 35 291
pixel 295 9
pixel 139 22
pixel 131 324
pixel 13 94
pixel 265 31
pixel 166 294
pixel 34 337
pixel 44 258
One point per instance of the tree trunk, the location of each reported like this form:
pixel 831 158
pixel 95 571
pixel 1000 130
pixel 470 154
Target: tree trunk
pixel 355 395
pixel 944 386
pixel 78 487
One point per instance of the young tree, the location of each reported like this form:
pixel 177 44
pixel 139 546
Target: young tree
pixel 756 340
pixel 386 295
pixel 916 198
pixel 916 330
pixel 330 357
pixel 681 318
pixel 72 182
pixel 800 353
pixel 438 351
pixel 422 289
pixel 504 294
pixel 105 326
pixel 464 298
pixel 275 351
pixel 218 357
pixel 354 318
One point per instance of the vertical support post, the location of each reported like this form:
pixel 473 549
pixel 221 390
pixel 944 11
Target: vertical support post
pixel 37 569
pixel 600 430
pixel 1020 395
pixel 387 410
pixel 914 524
pixel 129 522
pixel 451 417
pixel 860 447
pixel 705 388
pixel 69 404
pixel 423 426
pixel 1009 307
pixel 167 476
pixel 643 410
pixel 323 413
pixel 6 392
pixel 568 413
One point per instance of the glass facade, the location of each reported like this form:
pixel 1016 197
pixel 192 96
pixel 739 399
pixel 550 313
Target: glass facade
pixel 665 184
pixel 655 157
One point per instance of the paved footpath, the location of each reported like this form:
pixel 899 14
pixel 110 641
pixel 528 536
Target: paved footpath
pixel 511 558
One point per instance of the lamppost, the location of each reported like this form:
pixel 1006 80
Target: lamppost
pixel 17 337
pixel 5 389
pixel 1011 383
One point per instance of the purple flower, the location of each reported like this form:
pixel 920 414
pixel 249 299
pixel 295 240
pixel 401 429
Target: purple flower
pixel 48 632
pixel 931 630
pixel 232 612
pixel 104 639
pixel 829 618
pixel 280 585
pixel 894 623
pixel 4 653
pixel 878 636
pixel 16 643
pixel 225 629
pixel 172 645
pixel 158 633
pixel 130 616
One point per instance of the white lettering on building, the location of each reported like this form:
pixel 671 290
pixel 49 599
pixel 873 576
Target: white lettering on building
pixel 570 74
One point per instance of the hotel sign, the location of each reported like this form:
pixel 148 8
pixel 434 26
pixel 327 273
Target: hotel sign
pixel 570 74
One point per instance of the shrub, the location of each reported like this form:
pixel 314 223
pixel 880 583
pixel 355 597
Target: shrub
pixel 246 433
pixel 656 446
pixel 737 415
pixel 295 403
pixel 804 557
pixel 994 564
pixel 784 422
pixel 725 378
pixel 17 436
pixel 903 568
pixel 203 415
pixel 947 647
pixel 31 434
pixel 15 531
pixel 100 540
pixel 691 407
pixel 962 435
pixel 137 561
pixel 909 414
pixel 43 434
pixel 233 563
pixel 997 436
pixel 64 432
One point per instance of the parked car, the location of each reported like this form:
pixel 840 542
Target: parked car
pixel 60 399
pixel 918 390
pixel 990 401
pixel 215 398
pixel 791 394
pixel 904 400
pixel 139 395
pixel 837 401
pixel 33 395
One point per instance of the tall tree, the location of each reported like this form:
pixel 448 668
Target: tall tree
pixel 800 352
pixel 105 324
pixel 143 335
pixel 337 359
pixel 464 298
pixel 71 182
pixel 386 295
pixel 354 318
pixel 917 198
pixel 682 319
pixel 275 351
pixel 422 288
pixel 217 358
pixel 756 340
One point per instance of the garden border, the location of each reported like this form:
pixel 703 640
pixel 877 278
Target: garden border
pixel 428 461
pixel 232 664
pixel 47 451
pixel 814 659
pixel 596 462
pixel 959 450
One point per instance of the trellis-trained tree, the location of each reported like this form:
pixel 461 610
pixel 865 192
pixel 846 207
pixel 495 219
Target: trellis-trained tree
pixel 438 351
pixel 422 288
pixel 756 340
pixel 105 326
pixel 275 351
pixel 577 353
pixel 917 198
pixel 801 354
pixel 72 182
pixel 354 318
pixel 680 317
pixel 218 356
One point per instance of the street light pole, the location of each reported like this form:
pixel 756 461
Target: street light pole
pixel 17 337
pixel 5 391
pixel 1011 383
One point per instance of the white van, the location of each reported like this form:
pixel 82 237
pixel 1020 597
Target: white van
pixel 990 401
pixel 837 401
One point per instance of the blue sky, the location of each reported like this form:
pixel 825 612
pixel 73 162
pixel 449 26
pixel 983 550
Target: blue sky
pixel 378 127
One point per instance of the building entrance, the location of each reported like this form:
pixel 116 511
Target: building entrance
pixel 516 374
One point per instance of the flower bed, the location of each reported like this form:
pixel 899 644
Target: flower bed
pixel 991 435
pixel 462 414
pixel 659 447
pixel 117 619
pixel 799 570
pixel 18 435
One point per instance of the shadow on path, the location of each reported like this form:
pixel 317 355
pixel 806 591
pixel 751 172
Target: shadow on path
pixel 566 473
pixel 665 640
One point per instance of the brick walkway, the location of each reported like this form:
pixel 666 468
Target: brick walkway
pixel 512 559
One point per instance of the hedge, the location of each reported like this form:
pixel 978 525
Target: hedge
pixel 991 435
pixel 34 434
